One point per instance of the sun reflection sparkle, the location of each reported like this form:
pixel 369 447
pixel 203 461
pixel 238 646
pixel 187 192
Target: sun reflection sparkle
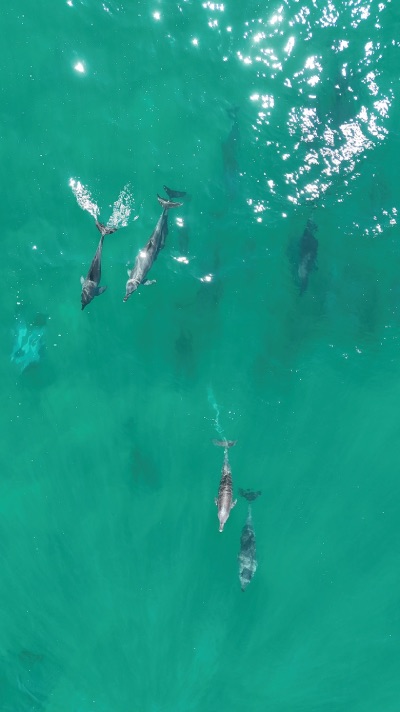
pixel 289 45
pixel 277 17
pixel 214 6
pixel 333 102
pixel 330 15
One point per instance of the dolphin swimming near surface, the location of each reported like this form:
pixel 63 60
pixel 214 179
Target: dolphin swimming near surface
pixel 29 342
pixel 230 156
pixel 305 256
pixel 224 501
pixel 148 254
pixel 90 285
pixel 247 555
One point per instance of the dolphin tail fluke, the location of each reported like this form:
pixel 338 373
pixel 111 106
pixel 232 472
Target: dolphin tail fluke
pixel 174 193
pixel 104 229
pixel 225 443
pixel 167 204
pixel 249 494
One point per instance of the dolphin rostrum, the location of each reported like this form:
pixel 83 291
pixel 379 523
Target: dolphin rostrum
pixel 90 285
pixel 224 501
pixel 247 555
pixel 148 254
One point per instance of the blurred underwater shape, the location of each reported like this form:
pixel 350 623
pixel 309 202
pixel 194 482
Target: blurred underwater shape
pixel 29 342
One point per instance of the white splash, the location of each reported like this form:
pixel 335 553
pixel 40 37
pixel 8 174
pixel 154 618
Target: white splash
pixel 122 208
pixel 84 198
pixel 214 405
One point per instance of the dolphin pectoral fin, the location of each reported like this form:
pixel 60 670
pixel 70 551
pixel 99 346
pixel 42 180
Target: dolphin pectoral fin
pixel 82 280
pixel 100 290
pixel 147 282
pixel 233 504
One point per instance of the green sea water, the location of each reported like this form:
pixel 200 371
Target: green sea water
pixel 117 592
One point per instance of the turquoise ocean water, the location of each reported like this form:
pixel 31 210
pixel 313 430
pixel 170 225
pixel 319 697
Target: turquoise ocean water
pixel 117 592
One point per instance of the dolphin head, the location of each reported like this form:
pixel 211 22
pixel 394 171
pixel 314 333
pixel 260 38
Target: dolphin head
pixel 131 286
pixel 304 267
pixel 87 293
pixel 245 577
pixel 222 516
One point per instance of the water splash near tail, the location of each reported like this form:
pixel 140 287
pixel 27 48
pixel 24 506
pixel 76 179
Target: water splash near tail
pixel 84 198
pixel 214 405
pixel 122 208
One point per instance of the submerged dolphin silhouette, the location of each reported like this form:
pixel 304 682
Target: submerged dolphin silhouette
pixel 230 156
pixel 303 256
pixel 247 554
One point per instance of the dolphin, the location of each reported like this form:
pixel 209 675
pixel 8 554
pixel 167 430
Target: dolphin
pixel 247 555
pixel 304 256
pixel 224 500
pixel 29 342
pixel 230 156
pixel 90 285
pixel 344 105
pixel 148 254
